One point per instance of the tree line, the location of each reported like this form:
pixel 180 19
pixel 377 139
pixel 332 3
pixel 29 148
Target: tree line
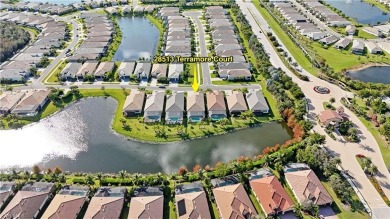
pixel 12 39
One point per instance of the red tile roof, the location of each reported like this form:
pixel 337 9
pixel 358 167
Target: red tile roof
pixel 64 206
pixel 104 207
pixel 306 185
pixel 271 195
pixel 328 115
pixel 233 202
pixel 25 204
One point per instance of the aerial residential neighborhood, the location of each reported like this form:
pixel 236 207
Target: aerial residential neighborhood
pixel 183 109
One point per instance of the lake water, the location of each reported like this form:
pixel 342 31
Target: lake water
pixel 64 2
pixel 79 138
pixel 375 74
pixel 361 11
pixel 139 39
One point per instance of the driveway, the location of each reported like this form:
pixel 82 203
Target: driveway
pixel 194 15
pixel 327 212
pixel 346 152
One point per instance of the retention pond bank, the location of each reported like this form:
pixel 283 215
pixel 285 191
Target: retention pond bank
pixel 79 138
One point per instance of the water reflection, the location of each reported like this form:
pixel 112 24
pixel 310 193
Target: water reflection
pixel 139 39
pixel 375 74
pixel 79 139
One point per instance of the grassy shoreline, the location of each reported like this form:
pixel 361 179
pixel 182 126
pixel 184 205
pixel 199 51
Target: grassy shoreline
pixel 143 132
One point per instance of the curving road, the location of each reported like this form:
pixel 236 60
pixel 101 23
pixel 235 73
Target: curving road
pixel 346 151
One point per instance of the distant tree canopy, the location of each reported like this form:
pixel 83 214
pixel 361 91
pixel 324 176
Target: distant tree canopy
pixel 12 38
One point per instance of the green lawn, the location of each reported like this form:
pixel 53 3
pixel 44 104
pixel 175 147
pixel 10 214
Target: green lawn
pixel 52 76
pixel 291 46
pixel 251 57
pixel 378 5
pixel 158 23
pixel 344 212
pixel 364 35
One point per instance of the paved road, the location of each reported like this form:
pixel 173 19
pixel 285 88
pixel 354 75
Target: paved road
pixel 347 152
pixel 202 42
pixel 315 20
pixel 75 39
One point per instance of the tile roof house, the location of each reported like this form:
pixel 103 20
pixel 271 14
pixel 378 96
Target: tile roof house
pixel 191 201
pixel 271 195
pixel 195 106
pixel 28 202
pixel 9 100
pixel 6 191
pixel 174 72
pixel 103 69
pixel 70 70
pixel 174 108
pixel 159 70
pixel 87 68
pixel 350 30
pixel 126 69
pixel 216 105
pixel 328 117
pixel 142 70
pixel 236 103
pixel 306 186
pixel 256 102
pixel 66 204
pixel 372 47
pixel 134 103
pixel 154 106
pixel 107 203
pixel 342 43
pixel 147 203
pixel 32 102
pixel 357 47
pixel 233 202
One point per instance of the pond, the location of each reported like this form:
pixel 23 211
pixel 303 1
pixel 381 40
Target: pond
pixel 361 11
pixel 139 39
pixel 79 138
pixel 64 2
pixel 375 74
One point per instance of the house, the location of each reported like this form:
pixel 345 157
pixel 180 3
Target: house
pixel 174 72
pixel 317 35
pixel 67 203
pixel 237 74
pixel 7 189
pixel 32 102
pixel 350 30
pixel 70 70
pixel 174 108
pixel 191 201
pixel 126 69
pixel 216 105
pixel 103 69
pixel 329 40
pixel 106 203
pixel 134 103
pixel 236 103
pixel 142 70
pixel 9 100
pixel 373 31
pixel 372 47
pixel 342 43
pixel 306 186
pixel 154 106
pixel 233 202
pixel 147 203
pixel 256 102
pixel 159 70
pixel 330 117
pixel 271 195
pixel 28 202
pixel 13 75
pixel 195 106
pixel 87 68
pixel 357 47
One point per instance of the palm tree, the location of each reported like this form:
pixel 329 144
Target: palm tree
pixel 99 176
pixel 15 174
pixel 372 169
pixel 54 177
pixel 89 180
pixel 122 174
pixel 27 175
